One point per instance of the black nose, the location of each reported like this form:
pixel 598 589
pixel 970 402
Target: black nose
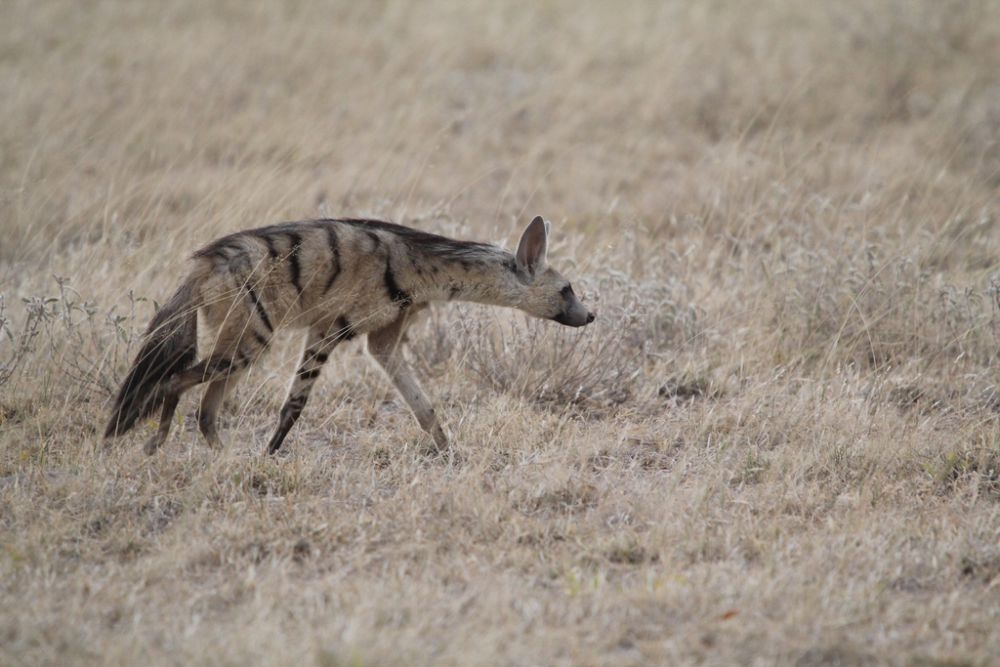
pixel 590 318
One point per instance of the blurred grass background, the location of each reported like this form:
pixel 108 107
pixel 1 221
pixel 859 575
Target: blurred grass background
pixel 785 214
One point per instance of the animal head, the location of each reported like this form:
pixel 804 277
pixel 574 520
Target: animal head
pixel 546 294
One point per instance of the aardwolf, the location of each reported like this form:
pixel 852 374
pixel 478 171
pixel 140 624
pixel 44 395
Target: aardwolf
pixel 337 279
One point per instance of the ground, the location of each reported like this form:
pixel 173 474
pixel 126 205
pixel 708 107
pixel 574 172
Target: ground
pixel 778 444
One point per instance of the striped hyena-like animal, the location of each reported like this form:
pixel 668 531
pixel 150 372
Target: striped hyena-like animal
pixel 337 279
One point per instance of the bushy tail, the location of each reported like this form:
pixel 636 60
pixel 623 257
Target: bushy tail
pixel 170 346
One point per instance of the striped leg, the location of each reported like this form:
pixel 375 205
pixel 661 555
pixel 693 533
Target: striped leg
pixel 383 345
pixel 317 349
pixel 166 417
pixel 218 368
pixel 210 404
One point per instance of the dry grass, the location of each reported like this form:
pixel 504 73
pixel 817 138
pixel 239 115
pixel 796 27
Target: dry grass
pixel 780 443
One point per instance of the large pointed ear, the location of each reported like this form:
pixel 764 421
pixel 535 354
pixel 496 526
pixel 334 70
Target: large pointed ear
pixel 532 248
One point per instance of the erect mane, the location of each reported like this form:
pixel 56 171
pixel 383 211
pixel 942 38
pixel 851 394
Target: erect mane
pixel 433 244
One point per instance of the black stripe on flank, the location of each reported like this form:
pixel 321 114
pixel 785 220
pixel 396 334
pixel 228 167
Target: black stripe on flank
pixel 331 239
pixel 237 240
pixel 294 267
pixel 398 296
pixel 260 339
pixel 265 236
pixel 344 329
pixel 375 239
pixel 260 308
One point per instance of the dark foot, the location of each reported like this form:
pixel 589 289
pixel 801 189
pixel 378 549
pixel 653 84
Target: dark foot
pixel 153 444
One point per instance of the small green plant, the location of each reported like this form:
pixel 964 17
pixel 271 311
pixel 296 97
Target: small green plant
pixel 89 346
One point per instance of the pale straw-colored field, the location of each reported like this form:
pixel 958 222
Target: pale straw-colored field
pixel 779 443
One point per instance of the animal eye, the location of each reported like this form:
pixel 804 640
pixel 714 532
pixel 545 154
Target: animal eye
pixel 567 291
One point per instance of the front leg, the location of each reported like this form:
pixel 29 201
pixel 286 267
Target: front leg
pixel 318 346
pixel 383 345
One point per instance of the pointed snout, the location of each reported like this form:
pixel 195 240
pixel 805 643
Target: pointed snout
pixel 572 319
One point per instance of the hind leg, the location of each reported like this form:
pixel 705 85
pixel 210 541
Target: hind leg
pixel 228 359
pixel 166 418
pixel 220 370
pixel 209 410
pixel 207 370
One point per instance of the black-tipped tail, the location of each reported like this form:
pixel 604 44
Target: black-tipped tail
pixel 170 346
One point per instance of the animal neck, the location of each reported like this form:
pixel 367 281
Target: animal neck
pixel 487 278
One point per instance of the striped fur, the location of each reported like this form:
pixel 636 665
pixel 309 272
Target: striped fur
pixel 337 279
